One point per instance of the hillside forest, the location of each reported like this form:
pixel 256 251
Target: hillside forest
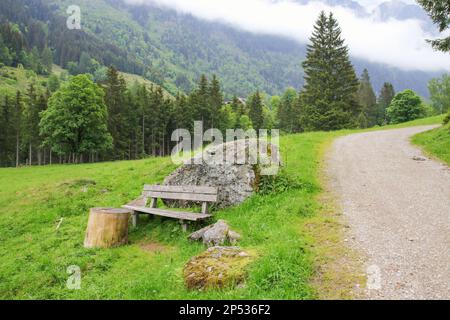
pixel 88 112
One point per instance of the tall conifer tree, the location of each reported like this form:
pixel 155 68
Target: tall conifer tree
pixel 384 100
pixel 367 100
pixel 216 101
pixel 329 97
pixel 288 111
pixel 118 115
pixel 256 111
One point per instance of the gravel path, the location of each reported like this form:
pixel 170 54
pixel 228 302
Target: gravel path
pixel 396 203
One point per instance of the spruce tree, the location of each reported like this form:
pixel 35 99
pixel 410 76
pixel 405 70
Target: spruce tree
pixel 47 60
pixel 215 101
pixel 183 113
pixel 367 100
pixel 118 115
pixel 384 100
pixel 7 132
pixel 17 120
pixel 288 113
pixel 329 97
pixel 31 119
pixel 200 102
pixel 256 111
pixel 5 55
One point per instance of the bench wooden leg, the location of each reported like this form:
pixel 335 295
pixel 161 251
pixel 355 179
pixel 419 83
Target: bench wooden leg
pixel 135 218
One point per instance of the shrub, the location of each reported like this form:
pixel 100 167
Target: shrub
pixel 406 106
pixel 447 119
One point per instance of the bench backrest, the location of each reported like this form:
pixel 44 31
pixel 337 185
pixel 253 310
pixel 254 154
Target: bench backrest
pixel 188 193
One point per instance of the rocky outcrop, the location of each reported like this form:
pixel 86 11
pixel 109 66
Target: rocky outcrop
pixel 217 267
pixel 216 234
pixel 234 168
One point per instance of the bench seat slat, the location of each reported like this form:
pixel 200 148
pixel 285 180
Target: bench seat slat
pixel 189 216
pixel 181 189
pixel 181 196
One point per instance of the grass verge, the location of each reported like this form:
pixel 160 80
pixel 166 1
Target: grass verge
pixel 435 143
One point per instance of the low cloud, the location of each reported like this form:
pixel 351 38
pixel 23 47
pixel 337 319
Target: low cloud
pixel 396 43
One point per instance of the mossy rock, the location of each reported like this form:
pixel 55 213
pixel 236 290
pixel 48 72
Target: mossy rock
pixel 216 268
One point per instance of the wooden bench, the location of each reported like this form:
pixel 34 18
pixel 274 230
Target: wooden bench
pixel 205 195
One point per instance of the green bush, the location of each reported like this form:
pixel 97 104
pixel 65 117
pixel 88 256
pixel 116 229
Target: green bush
pixel 406 106
pixel 447 119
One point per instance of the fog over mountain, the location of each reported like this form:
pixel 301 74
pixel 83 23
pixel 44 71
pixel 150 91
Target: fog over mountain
pixel 392 34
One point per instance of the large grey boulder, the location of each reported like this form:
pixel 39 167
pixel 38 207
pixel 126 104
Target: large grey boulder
pixel 232 167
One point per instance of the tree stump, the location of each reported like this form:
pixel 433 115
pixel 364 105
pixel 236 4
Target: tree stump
pixel 107 227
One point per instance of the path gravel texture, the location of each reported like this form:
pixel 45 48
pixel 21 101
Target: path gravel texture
pixel 396 203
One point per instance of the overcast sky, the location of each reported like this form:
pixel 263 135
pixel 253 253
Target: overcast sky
pixel 397 43
pixel 373 3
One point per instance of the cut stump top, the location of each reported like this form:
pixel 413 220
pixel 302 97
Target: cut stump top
pixel 110 211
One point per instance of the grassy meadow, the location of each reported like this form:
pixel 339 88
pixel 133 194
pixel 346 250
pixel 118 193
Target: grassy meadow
pixel 435 143
pixel 44 212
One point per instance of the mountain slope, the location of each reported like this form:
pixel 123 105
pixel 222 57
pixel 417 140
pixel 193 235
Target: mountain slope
pixel 173 50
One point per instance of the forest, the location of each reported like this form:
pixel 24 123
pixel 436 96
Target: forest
pixel 90 113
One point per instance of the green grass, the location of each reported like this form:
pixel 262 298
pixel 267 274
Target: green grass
pixel 435 143
pixel 35 255
pixel 13 79
pixel 286 230
pixel 130 79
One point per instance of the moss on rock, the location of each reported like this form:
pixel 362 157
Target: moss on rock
pixel 216 268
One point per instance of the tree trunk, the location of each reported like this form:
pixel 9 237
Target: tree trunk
pixel 107 228
pixel 17 150
pixel 143 134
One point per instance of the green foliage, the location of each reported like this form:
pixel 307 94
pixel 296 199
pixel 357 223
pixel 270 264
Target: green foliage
pixel 76 119
pixel 72 67
pixel 5 56
pixel 8 136
pixel 447 119
pixel 245 122
pixel 440 93
pixel 329 95
pixel 368 101
pixel 47 60
pixel 288 111
pixel 227 118
pixel 279 183
pixel 439 11
pixel 406 106
pixel 384 101
pixel 53 83
pixel 119 114
pixel 256 111
pixel 362 121
pixel 101 74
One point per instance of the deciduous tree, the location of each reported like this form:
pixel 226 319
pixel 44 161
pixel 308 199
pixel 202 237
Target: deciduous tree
pixel 75 122
pixel 406 106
